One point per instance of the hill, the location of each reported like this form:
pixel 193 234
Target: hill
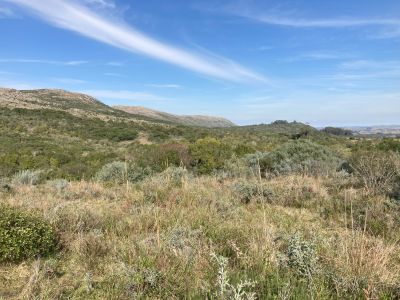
pixel 196 120
pixel 384 130
pixel 73 135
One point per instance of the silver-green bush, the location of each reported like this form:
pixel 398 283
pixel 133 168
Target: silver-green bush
pixel 27 177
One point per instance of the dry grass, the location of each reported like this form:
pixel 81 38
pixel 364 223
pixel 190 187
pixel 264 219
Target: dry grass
pixel 155 240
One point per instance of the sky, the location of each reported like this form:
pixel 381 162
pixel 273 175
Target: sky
pixel 252 61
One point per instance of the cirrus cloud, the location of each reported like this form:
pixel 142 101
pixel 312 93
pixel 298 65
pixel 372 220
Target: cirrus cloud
pixel 71 15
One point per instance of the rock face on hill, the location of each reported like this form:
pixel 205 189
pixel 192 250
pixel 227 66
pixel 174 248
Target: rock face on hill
pixel 195 120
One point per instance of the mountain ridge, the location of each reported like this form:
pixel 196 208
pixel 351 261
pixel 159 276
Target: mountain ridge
pixel 83 105
pixel 189 120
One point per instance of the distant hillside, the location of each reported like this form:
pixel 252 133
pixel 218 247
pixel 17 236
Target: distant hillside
pixel 195 120
pixel 387 130
pixel 82 105
pixel 76 104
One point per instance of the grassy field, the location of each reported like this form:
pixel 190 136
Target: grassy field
pixel 179 236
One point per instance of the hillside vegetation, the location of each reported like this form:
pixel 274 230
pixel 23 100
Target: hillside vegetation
pixel 104 205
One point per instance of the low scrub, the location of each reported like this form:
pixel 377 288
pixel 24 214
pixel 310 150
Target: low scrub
pixel 301 157
pixel 27 177
pixel 377 171
pixel 24 235
pixel 120 172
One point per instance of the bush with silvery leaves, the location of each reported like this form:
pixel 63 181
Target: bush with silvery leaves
pixel 120 172
pixel 301 256
pixel 27 177
pixel 226 290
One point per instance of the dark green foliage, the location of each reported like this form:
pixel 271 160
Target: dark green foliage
pixel 209 154
pixel 280 122
pixel 159 157
pixel 24 235
pixel 337 131
pixel 389 145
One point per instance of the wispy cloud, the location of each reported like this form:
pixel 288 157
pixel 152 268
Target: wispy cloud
pixel 6 12
pixel 70 80
pixel 124 95
pixel 113 74
pixel 317 56
pixel 6 73
pixel 371 64
pixel 101 3
pixel 165 86
pixel 388 33
pixel 265 48
pixel 42 61
pixel 322 23
pixel 73 16
pixel 290 18
pixel 115 64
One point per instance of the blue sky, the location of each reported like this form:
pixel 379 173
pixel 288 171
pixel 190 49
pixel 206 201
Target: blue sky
pixel 321 62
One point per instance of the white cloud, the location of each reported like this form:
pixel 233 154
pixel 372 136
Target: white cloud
pixel 290 18
pixel 115 64
pixel 70 80
pixel 41 61
pixel 123 95
pixel 323 23
pixel 371 64
pixel 167 86
pixel 101 3
pixel 388 33
pixel 73 16
pixel 113 74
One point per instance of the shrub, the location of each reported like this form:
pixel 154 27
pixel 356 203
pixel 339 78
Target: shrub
pixel 209 154
pixel 175 175
pixel 301 256
pixel 24 235
pixel 249 190
pixel 27 177
pixel 5 185
pixel 225 289
pixel 337 131
pixel 60 185
pixel 301 156
pixel 120 172
pixel 376 170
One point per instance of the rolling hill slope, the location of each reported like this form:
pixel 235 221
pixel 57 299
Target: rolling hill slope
pixel 195 120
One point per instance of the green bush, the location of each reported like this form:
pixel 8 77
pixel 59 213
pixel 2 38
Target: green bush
pixel 5 185
pixel 120 172
pixel 209 154
pixel 337 131
pixel 24 235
